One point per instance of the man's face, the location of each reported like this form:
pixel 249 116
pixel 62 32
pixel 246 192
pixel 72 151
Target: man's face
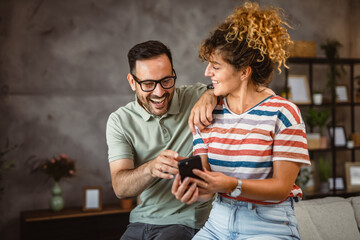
pixel 158 100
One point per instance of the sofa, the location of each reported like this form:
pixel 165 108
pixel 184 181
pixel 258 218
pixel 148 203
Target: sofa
pixel 330 218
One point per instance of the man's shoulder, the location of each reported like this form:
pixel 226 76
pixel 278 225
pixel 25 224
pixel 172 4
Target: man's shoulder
pixel 125 112
pixel 186 92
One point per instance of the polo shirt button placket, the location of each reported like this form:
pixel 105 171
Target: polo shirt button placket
pixel 166 134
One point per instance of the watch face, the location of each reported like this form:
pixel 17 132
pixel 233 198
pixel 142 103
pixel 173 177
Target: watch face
pixel 235 193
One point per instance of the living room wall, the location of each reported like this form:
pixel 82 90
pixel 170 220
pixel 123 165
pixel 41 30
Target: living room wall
pixel 63 70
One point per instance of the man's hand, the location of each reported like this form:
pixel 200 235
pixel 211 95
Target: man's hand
pixel 201 113
pixel 188 192
pixel 165 165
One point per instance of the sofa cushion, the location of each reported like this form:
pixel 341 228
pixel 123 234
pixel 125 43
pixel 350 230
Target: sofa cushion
pixel 355 202
pixel 307 228
pixel 327 219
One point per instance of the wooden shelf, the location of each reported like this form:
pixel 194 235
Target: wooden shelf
pixel 351 107
pixel 328 149
pixel 73 212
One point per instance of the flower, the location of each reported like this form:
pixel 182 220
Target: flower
pixel 59 166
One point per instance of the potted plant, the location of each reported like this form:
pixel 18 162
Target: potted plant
pixel 317 118
pixel 331 49
pixel 324 172
pixel 323 118
pixel 127 203
pixel 57 167
pixel 317 97
pixel 302 179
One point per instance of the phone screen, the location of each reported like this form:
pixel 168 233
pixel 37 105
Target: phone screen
pixel 187 165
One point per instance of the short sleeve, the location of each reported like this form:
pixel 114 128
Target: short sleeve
pixel 118 146
pixel 290 144
pixel 199 147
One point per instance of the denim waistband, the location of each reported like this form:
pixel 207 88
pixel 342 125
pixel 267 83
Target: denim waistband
pixel 221 199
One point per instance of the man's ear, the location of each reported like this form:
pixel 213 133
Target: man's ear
pixel 131 81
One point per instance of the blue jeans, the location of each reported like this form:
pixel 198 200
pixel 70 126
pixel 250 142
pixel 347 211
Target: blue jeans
pixel 231 219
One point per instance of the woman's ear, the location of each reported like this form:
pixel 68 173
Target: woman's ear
pixel 131 81
pixel 245 72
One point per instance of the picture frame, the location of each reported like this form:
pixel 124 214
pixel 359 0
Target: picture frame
pixel 339 182
pixel 342 93
pixel 302 93
pixel 340 136
pixel 92 199
pixel 352 173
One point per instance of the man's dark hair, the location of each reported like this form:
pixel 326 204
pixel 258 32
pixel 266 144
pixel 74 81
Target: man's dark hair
pixel 147 50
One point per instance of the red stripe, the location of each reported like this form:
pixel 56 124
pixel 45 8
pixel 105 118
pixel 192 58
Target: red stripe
pixel 286 105
pixel 236 131
pixel 290 131
pixel 230 141
pixel 290 143
pixel 240 152
pixel 291 155
pixel 197 151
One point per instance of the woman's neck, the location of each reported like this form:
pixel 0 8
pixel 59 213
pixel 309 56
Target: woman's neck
pixel 246 97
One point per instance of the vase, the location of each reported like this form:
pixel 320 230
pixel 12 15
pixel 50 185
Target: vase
pixel 56 202
pixel 324 187
pixel 317 98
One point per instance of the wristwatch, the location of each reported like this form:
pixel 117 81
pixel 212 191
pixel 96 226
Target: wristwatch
pixel 210 86
pixel 237 191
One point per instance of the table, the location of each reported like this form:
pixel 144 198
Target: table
pixel 73 223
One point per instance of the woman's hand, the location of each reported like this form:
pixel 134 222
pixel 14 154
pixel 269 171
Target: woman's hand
pixel 201 113
pixel 214 182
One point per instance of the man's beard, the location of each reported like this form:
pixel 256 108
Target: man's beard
pixel 149 105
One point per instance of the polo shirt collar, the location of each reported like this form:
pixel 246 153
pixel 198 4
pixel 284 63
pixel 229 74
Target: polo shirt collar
pixel 173 109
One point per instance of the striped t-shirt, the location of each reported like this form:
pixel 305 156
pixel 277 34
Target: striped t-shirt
pixel 244 146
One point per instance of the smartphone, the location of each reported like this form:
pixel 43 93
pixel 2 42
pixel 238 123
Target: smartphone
pixel 187 165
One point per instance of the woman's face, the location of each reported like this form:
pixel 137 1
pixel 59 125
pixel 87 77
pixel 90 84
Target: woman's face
pixel 225 78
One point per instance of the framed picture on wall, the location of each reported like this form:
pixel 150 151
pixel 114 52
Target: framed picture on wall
pixel 92 199
pixel 352 172
pixel 342 93
pixel 340 136
pixel 299 89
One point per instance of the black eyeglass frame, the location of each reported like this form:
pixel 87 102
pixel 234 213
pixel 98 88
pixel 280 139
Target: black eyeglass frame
pixel 155 81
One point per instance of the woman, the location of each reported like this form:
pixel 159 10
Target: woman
pixel 254 148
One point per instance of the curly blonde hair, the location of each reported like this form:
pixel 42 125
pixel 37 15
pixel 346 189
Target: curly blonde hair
pixel 251 37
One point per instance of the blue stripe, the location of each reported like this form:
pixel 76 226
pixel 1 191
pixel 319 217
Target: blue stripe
pixel 240 164
pixel 280 115
pixel 263 113
pixel 198 141
pixel 284 119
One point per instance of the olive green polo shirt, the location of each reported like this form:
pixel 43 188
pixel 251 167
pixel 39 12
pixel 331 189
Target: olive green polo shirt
pixel 133 133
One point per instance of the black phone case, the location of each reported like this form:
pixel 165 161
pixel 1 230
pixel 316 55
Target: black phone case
pixel 187 165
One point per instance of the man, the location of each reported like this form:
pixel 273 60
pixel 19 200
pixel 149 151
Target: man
pixel 147 137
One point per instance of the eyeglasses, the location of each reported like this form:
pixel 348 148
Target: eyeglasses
pixel 150 85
